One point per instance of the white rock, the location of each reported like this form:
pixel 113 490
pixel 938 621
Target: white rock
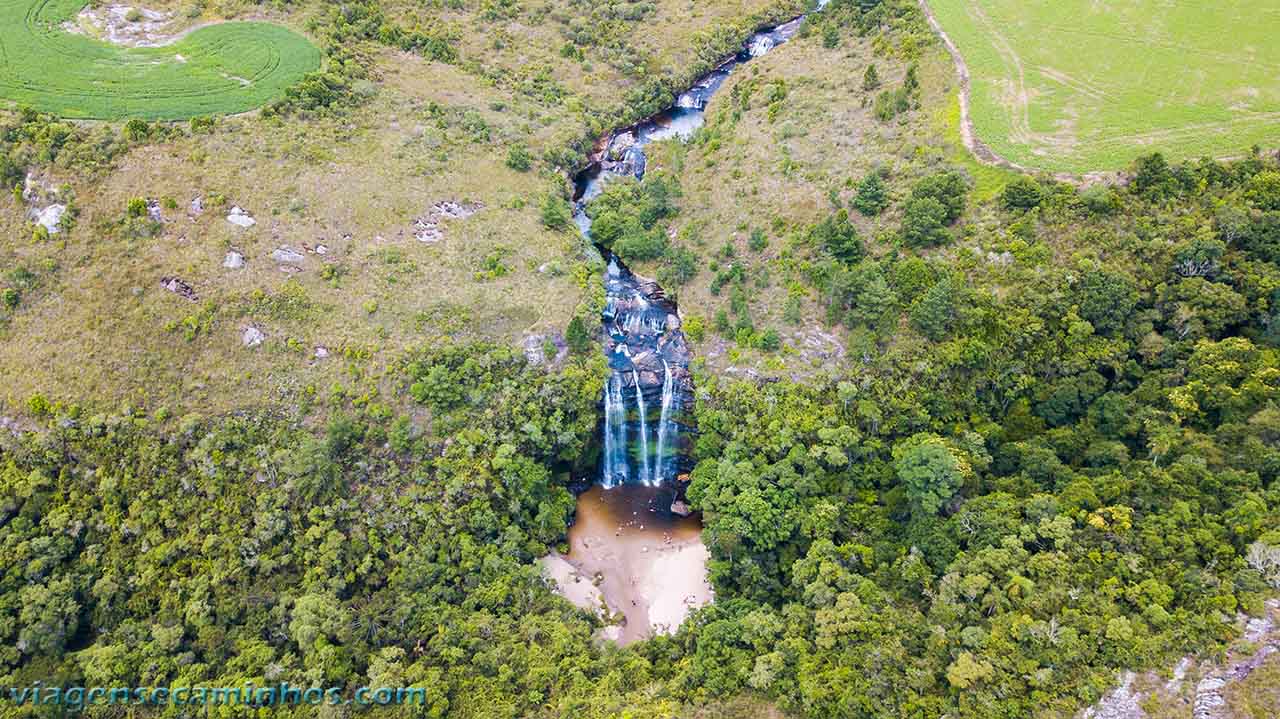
pixel 50 216
pixel 233 261
pixel 287 254
pixel 240 218
pixel 252 336
pixel 322 352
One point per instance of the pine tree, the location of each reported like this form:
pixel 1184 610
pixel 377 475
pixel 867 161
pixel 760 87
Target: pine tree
pixel 871 78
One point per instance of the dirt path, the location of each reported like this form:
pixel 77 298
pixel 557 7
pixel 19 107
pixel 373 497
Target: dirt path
pixel 967 134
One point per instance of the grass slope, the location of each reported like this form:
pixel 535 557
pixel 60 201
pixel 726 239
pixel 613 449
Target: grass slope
pixel 1079 86
pixel 224 68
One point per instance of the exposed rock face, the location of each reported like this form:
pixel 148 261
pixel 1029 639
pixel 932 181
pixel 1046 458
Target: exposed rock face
pixel 51 218
pixel 427 228
pixel 124 25
pixel 1206 698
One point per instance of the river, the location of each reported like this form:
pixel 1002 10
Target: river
pixel 633 546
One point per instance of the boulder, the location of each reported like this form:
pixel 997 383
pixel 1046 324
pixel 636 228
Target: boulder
pixel 287 255
pixel 240 218
pixel 252 336
pixel 51 218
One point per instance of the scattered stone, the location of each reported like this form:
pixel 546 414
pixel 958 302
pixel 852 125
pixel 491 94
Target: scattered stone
pixel 425 231
pixel 680 509
pixel 321 249
pixel 252 336
pixel 196 208
pixel 123 25
pixel 457 211
pixel 287 255
pixel 178 287
pixel 427 228
pixel 153 211
pixel 322 353
pixel 233 261
pixel 241 218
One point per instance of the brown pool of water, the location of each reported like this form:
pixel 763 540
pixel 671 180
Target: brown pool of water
pixel 649 565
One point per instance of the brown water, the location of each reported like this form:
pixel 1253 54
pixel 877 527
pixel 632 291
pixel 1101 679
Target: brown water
pixel 650 565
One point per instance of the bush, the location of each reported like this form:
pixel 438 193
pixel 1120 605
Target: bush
pixel 1022 193
pixel 137 207
pixel 519 159
pixel 948 188
pixel 578 336
pixel 695 328
pixel 555 213
pixel 872 195
pixel 924 223
pixel 758 242
pixel 839 237
pixel 10 298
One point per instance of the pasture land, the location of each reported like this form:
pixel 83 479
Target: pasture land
pixel 224 68
pixel 1086 85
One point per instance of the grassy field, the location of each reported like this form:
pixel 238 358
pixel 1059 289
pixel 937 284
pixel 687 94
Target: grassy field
pixel 98 328
pixel 1080 85
pixel 224 68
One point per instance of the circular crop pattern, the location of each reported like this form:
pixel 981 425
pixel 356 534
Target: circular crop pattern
pixel 219 69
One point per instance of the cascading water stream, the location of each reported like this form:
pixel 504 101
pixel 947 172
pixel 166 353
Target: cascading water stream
pixel 664 420
pixel 615 435
pixel 646 476
pixel 641 327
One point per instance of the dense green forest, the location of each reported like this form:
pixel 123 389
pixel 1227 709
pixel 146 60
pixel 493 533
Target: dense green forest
pixel 1048 450
pixel 1014 490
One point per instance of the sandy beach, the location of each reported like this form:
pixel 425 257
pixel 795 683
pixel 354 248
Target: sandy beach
pixel 648 565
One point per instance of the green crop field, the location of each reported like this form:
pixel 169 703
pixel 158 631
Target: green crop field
pixel 1083 85
pixel 219 69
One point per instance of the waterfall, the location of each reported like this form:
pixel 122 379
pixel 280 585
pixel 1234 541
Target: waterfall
pixel 646 477
pixel 615 434
pixel 642 327
pixel 664 422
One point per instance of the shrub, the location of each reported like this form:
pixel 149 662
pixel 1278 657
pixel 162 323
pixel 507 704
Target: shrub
pixel 872 195
pixel 136 130
pixel 948 188
pixel 10 298
pixel 924 223
pixel 839 237
pixel 1022 193
pixel 519 159
pixel 758 242
pixel 871 78
pixel 555 213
